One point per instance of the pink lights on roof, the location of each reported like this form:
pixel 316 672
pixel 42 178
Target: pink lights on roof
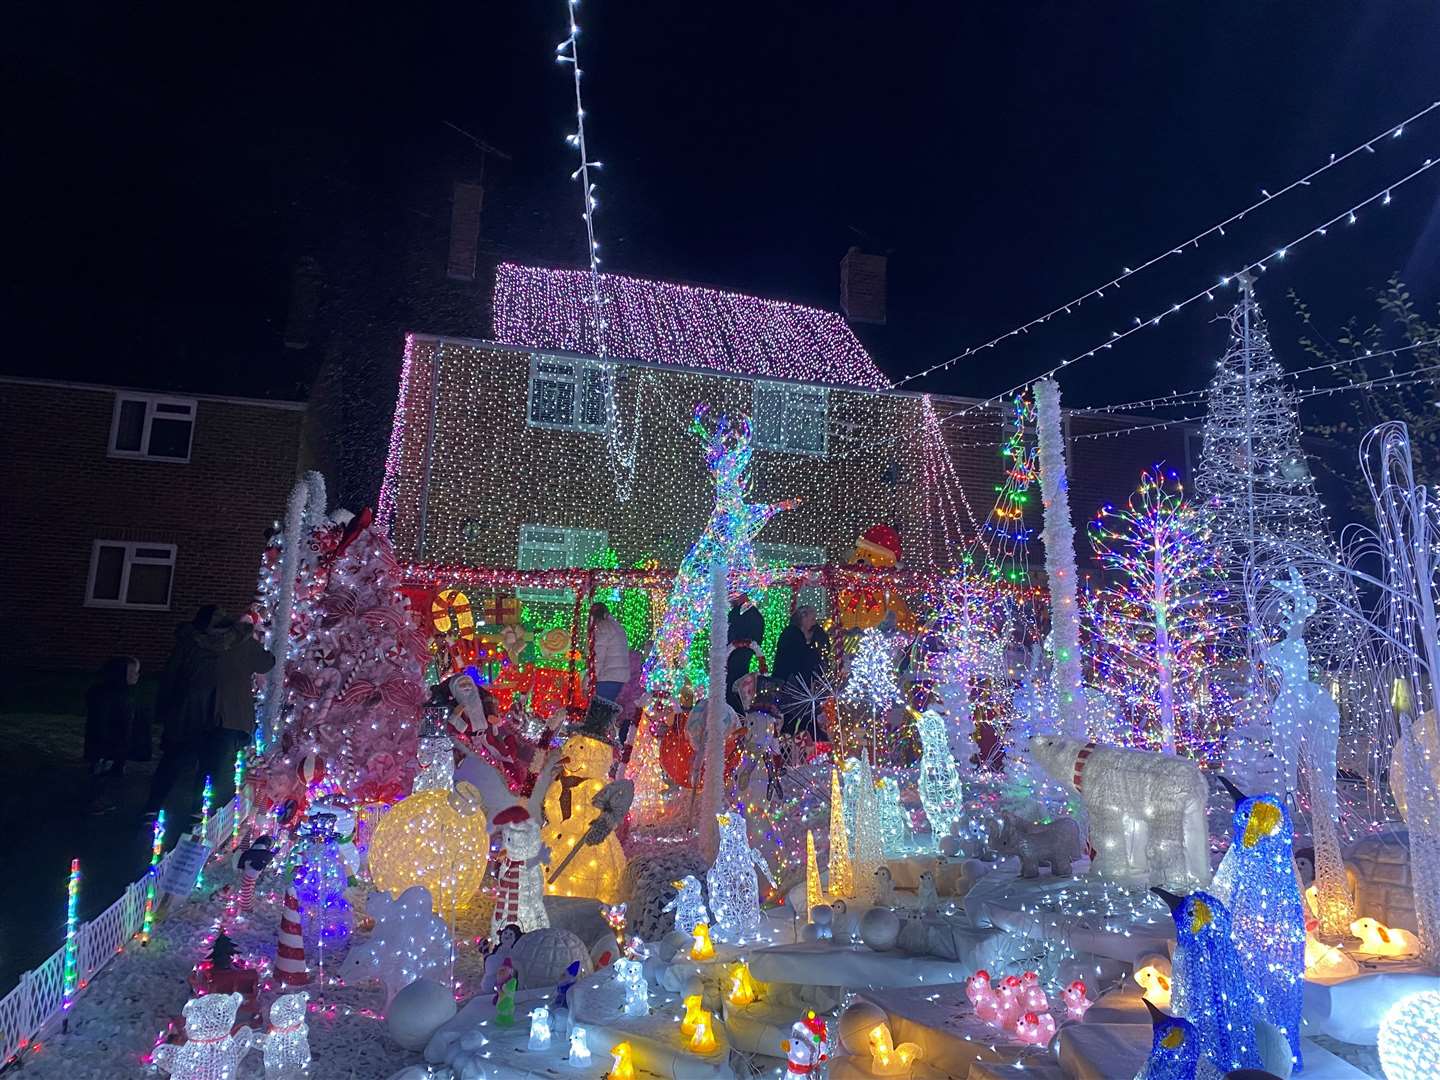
pixel 680 324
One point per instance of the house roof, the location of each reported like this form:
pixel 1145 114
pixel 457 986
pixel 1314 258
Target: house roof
pixel 688 325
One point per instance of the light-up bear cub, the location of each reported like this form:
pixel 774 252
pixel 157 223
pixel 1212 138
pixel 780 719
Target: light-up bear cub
pixel 1147 811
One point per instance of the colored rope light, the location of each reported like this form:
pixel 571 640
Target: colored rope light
pixel 72 940
pixel 157 848
pixel 1218 228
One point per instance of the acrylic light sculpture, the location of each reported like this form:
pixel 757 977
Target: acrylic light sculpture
pixel 1208 986
pixel 1035 1029
pixel 1256 882
pixel 579 1047
pixel 631 975
pixel 1175 1048
pixel 842 871
pixel 1077 999
pixel 1324 961
pixel 688 904
pixel 983 996
pixel 741 990
pixel 422 840
pixel 1155 983
pixel 805 1050
pixel 694 1013
pixel 887 1059
pixel 1146 810
pixel 869 843
pixel 1380 940
pixel 287 1043
pixel 539 1028
pixel 622 1065
pixel 409 942
pixel 732 882
pixel 814 895
pixel 702 1039
pixel 702 947
pixel 210 1052
pixel 1409 1042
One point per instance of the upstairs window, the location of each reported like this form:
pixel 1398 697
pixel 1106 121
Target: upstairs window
pixel 126 574
pixel 793 419
pixel 553 547
pixel 568 394
pixel 157 428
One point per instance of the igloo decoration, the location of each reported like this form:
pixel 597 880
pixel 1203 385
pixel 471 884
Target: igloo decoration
pixel 1383 890
pixel 648 886
pixel 210 1052
pixel 409 942
pixel 1146 810
pixel 542 956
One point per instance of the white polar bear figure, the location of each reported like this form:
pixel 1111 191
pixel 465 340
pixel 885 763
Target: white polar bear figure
pixel 1147 811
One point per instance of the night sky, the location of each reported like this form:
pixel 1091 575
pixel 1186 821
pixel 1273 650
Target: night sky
pixel 165 170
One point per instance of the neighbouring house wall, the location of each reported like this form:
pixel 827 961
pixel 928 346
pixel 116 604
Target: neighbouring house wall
pixel 63 492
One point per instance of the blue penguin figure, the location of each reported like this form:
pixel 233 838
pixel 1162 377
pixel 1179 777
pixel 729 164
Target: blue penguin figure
pixel 1256 881
pixel 1174 1049
pixel 1208 982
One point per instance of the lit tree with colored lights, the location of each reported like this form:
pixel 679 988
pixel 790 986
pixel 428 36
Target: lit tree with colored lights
pixel 353 686
pixel 1158 623
pixel 1255 480
pixel 727 540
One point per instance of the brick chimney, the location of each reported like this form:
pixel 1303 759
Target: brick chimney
pixel 464 231
pixel 862 287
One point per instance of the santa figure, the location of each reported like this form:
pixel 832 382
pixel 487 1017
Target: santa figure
pixel 477 718
pixel 519 874
pixel 805 1050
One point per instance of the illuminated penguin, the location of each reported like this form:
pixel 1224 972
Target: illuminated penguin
pixel 1174 1049
pixel 1256 882
pixel 1208 985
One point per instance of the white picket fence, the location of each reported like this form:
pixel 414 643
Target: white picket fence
pixel 38 1000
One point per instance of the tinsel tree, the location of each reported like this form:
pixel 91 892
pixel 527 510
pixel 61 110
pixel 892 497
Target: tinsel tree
pixel 353 687
pixel 1158 625
pixel 1059 534
pixel 1255 481
pixel 728 539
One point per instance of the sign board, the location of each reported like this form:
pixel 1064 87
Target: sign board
pixel 183 867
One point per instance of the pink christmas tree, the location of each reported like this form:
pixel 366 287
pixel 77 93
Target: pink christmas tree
pixel 353 686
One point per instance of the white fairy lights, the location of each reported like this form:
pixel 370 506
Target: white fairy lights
pixel 1177 249
pixel 1059 535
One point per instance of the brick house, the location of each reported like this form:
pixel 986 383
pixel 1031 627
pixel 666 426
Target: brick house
pixel 129 509
pixel 504 454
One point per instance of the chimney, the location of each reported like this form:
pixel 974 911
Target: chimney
pixel 862 287
pixel 304 302
pixel 464 231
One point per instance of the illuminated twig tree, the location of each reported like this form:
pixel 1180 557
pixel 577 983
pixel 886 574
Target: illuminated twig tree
pixel 1157 620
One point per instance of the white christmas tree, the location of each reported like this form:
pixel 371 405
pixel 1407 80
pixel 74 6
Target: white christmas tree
pixel 872 681
pixel 1255 481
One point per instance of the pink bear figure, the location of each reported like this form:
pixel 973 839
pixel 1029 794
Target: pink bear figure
pixel 1032 994
pixel 1076 999
pixel 1035 1030
pixel 210 1051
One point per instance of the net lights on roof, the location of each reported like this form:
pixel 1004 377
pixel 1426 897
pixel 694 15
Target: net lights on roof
pixel 680 324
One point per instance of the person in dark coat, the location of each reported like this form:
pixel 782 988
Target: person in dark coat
pixel 802 656
pixel 745 630
pixel 188 706
pixel 235 671
pixel 110 723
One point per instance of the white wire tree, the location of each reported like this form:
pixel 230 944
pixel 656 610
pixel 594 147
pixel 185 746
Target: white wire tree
pixel 1255 480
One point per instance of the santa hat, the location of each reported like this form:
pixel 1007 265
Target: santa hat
pixel 879 543
pixel 815 1025
pixel 512 815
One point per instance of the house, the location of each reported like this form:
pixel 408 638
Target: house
pixel 542 449
pixel 128 509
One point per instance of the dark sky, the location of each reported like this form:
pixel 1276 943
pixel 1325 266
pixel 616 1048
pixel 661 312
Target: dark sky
pixel 165 166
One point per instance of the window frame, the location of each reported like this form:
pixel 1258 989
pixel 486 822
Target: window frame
pixel 789 555
pixel 129 561
pixel 789 409
pixel 150 401
pixel 582 371
pixel 576 537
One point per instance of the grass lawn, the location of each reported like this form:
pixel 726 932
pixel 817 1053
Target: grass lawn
pixel 45 820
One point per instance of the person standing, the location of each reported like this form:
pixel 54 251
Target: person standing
pixel 187 705
pixel 235 671
pixel 611 653
pixel 745 631
pixel 801 658
pixel 110 729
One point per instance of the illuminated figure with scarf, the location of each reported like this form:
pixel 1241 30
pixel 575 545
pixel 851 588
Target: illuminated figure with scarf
pixel 1208 985
pixel 1256 881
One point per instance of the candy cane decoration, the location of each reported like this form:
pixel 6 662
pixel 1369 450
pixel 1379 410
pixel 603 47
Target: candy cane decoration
pixel 290 955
